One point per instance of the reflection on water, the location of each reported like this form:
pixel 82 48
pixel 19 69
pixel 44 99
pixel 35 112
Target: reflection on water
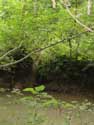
pixel 13 112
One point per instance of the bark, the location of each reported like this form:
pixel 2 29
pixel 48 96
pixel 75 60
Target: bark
pixel 89 7
pixel 67 3
pixel 36 62
pixel 35 7
pixel 70 47
pixel 53 4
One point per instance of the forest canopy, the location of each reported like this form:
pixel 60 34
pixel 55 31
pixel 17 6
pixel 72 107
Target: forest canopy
pixel 28 25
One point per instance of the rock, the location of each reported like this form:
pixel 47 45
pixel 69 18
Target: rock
pixel 18 86
pixel 2 90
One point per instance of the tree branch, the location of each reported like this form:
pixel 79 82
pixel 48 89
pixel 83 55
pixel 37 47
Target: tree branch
pixel 10 51
pixel 40 49
pixel 79 22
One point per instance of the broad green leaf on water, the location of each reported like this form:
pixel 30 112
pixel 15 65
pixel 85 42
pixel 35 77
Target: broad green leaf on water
pixel 68 105
pixel 40 88
pixel 30 90
pixel 26 98
pixel 53 103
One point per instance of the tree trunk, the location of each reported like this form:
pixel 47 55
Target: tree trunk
pixel 53 3
pixel 67 3
pixel 89 7
pixel 34 73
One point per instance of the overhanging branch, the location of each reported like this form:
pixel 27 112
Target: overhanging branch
pixel 10 51
pixel 40 49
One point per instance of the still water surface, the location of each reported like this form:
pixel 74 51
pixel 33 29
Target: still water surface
pixel 14 113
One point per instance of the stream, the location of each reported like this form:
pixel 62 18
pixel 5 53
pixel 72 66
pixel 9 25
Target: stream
pixel 14 112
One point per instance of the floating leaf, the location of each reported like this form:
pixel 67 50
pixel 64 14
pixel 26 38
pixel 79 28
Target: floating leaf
pixel 30 90
pixel 40 88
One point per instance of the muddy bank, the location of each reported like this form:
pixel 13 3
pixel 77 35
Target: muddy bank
pixel 63 75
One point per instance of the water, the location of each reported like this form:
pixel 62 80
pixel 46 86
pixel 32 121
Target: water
pixel 11 112
pixel 14 112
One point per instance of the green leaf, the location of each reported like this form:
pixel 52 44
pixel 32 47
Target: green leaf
pixel 30 90
pixel 40 88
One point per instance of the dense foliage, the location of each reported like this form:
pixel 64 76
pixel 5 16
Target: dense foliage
pixel 29 25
